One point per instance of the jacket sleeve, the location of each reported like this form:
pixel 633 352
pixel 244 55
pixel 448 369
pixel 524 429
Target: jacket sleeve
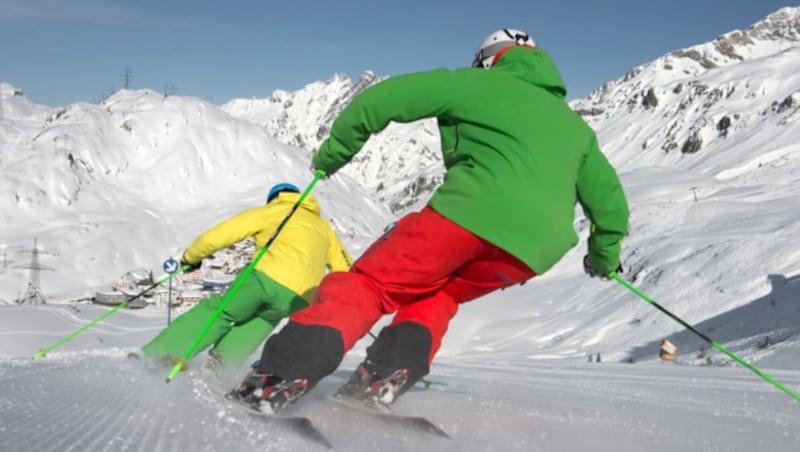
pixel 224 234
pixel 603 201
pixel 404 98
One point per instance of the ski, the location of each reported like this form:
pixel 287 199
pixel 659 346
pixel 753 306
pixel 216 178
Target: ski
pixel 416 423
pixel 300 425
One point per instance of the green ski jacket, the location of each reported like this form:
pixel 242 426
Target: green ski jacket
pixel 517 157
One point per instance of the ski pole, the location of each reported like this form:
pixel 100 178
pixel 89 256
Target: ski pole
pixel 182 363
pixel 61 341
pixel 712 342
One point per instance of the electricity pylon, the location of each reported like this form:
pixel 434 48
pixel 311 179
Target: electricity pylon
pixel 33 294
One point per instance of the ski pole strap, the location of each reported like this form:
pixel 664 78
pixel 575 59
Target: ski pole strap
pixel 712 342
pixel 42 352
pixel 240 280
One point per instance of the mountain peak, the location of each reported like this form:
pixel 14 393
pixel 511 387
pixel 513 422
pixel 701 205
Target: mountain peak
pixel 776 32
pixel 783 24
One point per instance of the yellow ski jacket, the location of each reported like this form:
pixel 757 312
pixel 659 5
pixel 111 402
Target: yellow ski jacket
pixel 297 258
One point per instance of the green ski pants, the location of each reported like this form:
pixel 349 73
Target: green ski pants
pixel 249 317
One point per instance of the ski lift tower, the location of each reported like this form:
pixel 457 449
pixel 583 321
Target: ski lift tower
pixel 33 294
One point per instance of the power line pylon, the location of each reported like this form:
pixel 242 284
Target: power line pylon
pixel 33 294
pixel 127 76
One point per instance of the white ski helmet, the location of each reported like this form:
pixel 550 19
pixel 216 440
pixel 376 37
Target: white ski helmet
pixel 497 41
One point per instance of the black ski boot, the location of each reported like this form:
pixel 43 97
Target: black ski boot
pixel 372 390
pixel 267 393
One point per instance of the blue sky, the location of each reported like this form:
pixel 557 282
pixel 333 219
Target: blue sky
pixel 64 51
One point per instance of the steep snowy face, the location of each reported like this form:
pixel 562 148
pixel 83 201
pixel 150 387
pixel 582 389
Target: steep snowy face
pixel 400 166
pixel 129 138
pixel 686 107
pixel 776 32
pixel 301 118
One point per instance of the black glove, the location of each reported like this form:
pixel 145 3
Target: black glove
pixel 192 267
pixel 591 271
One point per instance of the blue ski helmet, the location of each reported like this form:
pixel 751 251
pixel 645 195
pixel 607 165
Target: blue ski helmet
pixel 273 192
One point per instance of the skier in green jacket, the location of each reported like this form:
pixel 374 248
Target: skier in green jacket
pixel 518 159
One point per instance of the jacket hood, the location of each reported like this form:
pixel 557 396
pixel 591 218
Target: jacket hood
pixel 310 203
pixel 534 66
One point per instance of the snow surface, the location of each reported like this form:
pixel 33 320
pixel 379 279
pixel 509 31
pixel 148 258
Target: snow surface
pixel 88 396
pixel 129 182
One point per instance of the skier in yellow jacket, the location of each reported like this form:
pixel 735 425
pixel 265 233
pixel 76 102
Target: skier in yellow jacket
pixel 283 282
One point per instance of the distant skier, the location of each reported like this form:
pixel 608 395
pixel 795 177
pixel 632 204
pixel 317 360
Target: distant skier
pixel 283 282
pixel 517 158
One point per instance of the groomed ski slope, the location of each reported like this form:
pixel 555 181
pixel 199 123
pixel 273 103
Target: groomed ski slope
pixel 93 398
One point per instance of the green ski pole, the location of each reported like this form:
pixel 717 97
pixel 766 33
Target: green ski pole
pixel 182 363
pixel 712 342
pixel 41 353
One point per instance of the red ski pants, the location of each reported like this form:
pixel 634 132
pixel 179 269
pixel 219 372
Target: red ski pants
pixel 423 268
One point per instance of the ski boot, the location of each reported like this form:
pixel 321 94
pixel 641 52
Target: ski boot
pixel 266 392
pixel 370 389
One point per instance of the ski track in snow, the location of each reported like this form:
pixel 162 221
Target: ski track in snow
pixel 100 401
pixel 95 402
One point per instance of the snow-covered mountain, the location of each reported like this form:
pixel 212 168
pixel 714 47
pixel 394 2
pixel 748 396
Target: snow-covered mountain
pixel 691 106
pixel 400 166
pixel 707 143
pixel 301 118
pixel 130 181
pixel 679 102
pixel 127 182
